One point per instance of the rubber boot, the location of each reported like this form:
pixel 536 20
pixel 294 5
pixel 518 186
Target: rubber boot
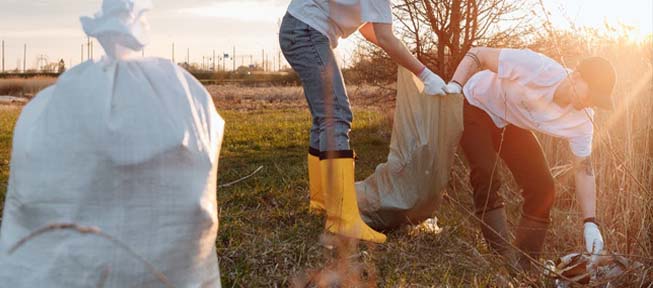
pixel 314 182
pixel 343 217
pixel 530 235
pixel 496 234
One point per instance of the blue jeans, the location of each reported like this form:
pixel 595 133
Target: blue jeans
pixel 309 54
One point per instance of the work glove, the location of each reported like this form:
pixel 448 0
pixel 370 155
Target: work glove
pixel 593 238
pixel 433 84
pixel 454 88
pixel 593 245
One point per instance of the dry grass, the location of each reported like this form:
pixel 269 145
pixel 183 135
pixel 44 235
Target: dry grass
pixel 233 97
pixel 20 87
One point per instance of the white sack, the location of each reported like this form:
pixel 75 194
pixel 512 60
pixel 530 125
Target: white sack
pixel 408 188
pixel 130 147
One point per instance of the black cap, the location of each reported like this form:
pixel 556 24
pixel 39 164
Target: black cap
pixel 600 77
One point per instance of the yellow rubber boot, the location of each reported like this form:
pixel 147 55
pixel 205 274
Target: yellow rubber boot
pixel 314 183
pixel 343 217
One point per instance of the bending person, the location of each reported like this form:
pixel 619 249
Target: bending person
pixel 510 93
pixel 309 32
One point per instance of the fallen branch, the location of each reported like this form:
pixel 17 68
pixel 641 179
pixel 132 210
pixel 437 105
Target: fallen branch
pixel 241 179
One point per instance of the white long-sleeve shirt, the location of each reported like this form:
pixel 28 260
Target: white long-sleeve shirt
pixel 521 94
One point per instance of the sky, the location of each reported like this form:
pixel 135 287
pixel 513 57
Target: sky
pixel 51 27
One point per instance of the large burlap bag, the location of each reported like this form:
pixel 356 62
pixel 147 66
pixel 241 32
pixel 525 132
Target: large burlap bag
pixel 129 146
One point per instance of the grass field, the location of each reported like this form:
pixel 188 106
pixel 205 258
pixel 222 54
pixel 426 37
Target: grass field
pixel 267 237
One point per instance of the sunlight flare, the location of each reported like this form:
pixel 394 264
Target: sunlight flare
pixel 254 11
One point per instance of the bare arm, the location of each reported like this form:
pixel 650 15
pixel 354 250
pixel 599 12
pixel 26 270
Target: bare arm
pixel 585 186
pixel 381 35
pixel 477 59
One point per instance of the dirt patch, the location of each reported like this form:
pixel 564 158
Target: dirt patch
pixel 4 107
pixel 10 100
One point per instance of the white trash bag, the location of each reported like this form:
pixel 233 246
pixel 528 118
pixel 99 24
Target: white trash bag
pixel 408 188
pixel 126 144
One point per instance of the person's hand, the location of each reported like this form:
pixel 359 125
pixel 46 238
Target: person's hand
pixel 433 84
pixel 454 88
pixel 593 238
pixel 593 245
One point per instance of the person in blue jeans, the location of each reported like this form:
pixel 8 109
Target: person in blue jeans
pixel 309 32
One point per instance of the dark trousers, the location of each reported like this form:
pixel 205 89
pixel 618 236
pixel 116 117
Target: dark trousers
pixel 520 150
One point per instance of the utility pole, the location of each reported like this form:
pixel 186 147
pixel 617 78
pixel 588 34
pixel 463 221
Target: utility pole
pixel 233 59
pixel 263 60
pixel 214 60
pixel 224 59
pixel 88 48
pixel 188 56
pixel 279 61
pixel 3 56
pixel 81 60
pixel 25 58
pixel 89 52
pixel 173 52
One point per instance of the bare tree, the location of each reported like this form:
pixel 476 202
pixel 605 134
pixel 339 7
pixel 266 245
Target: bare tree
pixel 442 31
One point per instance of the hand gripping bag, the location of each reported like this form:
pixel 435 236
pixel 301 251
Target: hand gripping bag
pixel 129 146
pixel 408 188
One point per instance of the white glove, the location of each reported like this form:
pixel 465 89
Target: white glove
pixel 433 84
pixel 593 238
pixel 454 88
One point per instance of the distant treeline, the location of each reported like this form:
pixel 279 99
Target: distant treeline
pixel 284 78
pixel 28 75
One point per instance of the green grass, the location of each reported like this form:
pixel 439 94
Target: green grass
pixel 267 236
pixel 266 232
pixel 8 117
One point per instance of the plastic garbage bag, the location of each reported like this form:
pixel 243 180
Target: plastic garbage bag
pixel 129 146
pixel 408 187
